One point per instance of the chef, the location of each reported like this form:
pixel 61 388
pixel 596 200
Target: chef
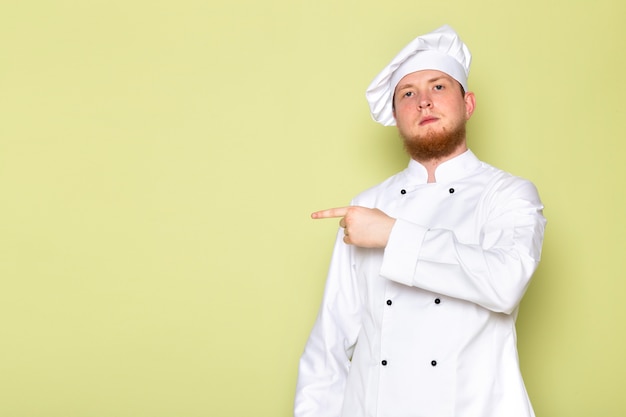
pixel 429 267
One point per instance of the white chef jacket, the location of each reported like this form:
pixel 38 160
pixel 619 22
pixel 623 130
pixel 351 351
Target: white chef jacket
pixel 426 326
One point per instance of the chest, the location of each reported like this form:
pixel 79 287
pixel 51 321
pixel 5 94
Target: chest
pixel 455 206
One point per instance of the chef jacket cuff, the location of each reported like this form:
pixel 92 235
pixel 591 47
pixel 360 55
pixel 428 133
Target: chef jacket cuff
pixel 402 252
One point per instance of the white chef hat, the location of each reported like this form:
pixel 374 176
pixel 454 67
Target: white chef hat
pixel 441 50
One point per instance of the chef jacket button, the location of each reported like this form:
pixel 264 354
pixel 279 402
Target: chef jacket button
pixel 451 190
pixel 437 301
pixel 403 191
pixel 389 302
pixel 433 363
pixel 384 362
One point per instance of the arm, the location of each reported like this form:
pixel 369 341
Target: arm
pixel 494 272
pixel 326 359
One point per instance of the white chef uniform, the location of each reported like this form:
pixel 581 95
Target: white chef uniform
pixel 426 327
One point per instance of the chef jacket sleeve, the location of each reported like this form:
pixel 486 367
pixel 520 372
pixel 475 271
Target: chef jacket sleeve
pixel 324 365
pixel 493 271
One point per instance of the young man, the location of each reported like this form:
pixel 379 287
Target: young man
pixel 429 267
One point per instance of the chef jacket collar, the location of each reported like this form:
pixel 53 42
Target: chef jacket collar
pixel 451 170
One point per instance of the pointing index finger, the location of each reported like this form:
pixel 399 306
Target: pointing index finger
pixel 330 213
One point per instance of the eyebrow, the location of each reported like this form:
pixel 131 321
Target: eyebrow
pixel 430 81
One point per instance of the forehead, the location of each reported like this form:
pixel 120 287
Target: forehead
pixel 423 76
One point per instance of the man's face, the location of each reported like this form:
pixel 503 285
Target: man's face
pixel 431 112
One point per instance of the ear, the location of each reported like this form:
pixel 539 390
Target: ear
pixel 470 104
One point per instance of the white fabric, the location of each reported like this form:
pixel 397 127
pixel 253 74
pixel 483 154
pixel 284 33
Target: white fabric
pixel 441 50
pixel 457 264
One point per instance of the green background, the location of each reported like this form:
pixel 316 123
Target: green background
pixel 159 161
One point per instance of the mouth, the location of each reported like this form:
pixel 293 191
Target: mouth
pixel 428 120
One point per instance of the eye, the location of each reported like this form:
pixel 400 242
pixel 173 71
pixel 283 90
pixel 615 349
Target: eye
pixel 409 94
pixel 439 87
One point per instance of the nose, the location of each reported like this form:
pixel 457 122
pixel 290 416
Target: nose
pixel 424 101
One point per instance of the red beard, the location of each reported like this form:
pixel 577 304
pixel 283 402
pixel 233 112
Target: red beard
pixel 434 145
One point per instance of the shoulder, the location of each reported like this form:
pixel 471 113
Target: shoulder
pixel 501 185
